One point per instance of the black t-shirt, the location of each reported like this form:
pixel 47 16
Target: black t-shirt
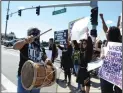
pixel 29 52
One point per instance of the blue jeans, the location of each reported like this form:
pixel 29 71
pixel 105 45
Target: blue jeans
pixel 76 67
pixel 20 88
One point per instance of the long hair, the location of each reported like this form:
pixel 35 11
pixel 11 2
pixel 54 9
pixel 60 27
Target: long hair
pixel 114 34
pixel 89 48
pixel 75 44
pixel 81 46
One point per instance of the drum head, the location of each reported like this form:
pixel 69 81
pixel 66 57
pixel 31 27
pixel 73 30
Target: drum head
pixel 27 74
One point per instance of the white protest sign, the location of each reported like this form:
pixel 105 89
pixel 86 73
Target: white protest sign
pixel 49 54
pixel 70 27
pixel 111 69
pixel 80 29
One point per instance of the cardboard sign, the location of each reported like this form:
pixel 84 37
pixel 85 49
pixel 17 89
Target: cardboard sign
pixel 111 69
pixel 80 29
pixel 61 37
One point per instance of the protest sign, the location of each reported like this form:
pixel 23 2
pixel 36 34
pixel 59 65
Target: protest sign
pixel 80 29
pixel 70 27
pixel 111 69
pixel 61 37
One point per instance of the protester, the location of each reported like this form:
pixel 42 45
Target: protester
pixel 52 46
pixel 113 35
pixel 76 58
pixel 83 76
pixel 104 44
pixel 105 28
pixel 25 47
pixel 98 48
pixel 67 61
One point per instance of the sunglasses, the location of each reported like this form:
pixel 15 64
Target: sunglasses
pixel 35 33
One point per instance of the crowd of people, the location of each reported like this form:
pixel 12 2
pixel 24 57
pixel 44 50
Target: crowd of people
pixel 75 57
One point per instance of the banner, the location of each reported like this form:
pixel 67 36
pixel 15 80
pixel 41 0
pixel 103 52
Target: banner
pixel 111 69
pixel 80 29
pixel 70 27
pixel 61 37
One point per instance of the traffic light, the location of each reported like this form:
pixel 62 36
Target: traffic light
pixel 38 10
pixel 94 16
pixel 93 32
pixel 19 12
pixel 7 17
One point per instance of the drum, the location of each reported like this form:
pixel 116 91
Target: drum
pixel 37 75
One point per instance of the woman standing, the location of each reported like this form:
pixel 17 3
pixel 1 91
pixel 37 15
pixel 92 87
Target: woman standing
pixel 85 57
pixel 76 58
pixel 67 61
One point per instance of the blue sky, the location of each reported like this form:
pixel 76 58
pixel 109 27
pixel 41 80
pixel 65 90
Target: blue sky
pixel 20 25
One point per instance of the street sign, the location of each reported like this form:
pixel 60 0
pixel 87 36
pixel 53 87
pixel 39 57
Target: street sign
pixel 59 11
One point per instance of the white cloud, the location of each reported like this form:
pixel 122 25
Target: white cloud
pixel 109 22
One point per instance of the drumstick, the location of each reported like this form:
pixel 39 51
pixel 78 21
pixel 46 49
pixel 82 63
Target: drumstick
pixel 42 33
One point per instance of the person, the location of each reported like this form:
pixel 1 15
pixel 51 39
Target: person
pixel 67 61
pixel 83 76
pixel 52 46
pixel 98 45
pixel 105 27
pixel 113 35
pixel 30 49
pixel 104 44
pixel 76 58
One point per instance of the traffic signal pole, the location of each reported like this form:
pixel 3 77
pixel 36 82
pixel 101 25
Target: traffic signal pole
pixel 94 4
pixel 7 17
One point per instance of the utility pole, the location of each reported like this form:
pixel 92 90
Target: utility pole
pixel 7 17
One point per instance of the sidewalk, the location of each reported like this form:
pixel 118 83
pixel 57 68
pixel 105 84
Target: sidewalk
pixel 62 87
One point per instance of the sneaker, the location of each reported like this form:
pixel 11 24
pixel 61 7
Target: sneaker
pixel 69 83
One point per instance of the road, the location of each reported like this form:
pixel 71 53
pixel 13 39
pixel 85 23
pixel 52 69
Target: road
pixel 10 61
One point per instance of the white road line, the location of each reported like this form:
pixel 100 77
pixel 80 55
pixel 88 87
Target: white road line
pixel 14 54
pixel 9 86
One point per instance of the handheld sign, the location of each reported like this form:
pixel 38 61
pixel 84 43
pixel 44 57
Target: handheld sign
pixel 61 37
pixel 111 69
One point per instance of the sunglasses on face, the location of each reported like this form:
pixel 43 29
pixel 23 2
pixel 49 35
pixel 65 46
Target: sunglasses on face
pixel 35 33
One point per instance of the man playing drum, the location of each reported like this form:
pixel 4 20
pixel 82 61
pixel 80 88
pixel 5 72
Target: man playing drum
pixel 29 50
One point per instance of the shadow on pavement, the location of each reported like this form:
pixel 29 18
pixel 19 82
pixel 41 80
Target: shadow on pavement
pixel 61 83
pixel 95 85
pixel 72 88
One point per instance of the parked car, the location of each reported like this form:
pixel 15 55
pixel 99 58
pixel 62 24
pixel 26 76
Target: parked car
pixel 10 43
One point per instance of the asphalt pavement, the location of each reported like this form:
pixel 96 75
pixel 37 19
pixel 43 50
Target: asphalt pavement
pixel 10 61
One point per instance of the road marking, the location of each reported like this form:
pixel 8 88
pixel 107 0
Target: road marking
pixel 14 54
pixel 9 86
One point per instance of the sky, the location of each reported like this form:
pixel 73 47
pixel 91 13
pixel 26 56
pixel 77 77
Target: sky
pixel 19 25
